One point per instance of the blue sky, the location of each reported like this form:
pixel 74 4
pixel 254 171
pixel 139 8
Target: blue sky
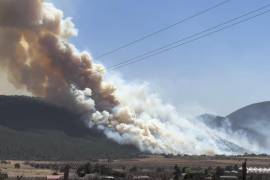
pixel 220 73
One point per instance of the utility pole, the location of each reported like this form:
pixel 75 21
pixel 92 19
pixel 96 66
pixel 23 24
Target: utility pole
pixel 244 170
pixel 66 172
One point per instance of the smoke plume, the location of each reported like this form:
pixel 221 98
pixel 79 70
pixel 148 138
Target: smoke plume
pixel 35 51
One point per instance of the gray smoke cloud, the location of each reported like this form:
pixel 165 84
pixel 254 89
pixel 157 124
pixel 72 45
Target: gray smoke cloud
pixel 35 51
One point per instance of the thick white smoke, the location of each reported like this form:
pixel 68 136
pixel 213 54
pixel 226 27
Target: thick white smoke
pixel 154 126
pixel 34 48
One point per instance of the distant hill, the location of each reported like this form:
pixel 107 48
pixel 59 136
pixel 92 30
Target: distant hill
pixel 33 129
pixel 252 120
pixel 251 114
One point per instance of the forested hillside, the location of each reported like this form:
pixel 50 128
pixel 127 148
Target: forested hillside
pixel 33 129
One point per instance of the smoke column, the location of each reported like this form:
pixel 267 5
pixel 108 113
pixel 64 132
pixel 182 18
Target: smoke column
pixel 35 51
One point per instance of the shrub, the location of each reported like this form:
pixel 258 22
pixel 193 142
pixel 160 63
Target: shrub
pixel 3 176
pixel 17 166
pixel 133 169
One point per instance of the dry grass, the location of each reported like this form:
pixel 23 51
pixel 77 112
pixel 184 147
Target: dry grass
pixel 24 170
pixel 193 161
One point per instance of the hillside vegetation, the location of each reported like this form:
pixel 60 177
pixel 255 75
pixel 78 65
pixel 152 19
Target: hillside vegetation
pixel 31 129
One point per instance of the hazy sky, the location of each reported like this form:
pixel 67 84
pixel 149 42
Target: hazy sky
pixel 220 73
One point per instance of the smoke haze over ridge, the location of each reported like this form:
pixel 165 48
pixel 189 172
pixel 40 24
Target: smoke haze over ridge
pixel 36 54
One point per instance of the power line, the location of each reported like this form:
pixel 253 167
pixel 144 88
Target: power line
pixel 162 29
pixel 164 49
pixel 193 35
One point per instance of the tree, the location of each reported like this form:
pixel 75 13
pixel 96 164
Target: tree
pixel 159 170
pixel 17 166
pixel 219 172
pixel 184 169
pixel 105 170
pixel 88 168
pixel 235 167
pixel 228 168
pixel 133 169
pixel 19 177
pixel 177 173
pixel 81 171
pixel 97 168
pixel 3 176
pixel 206 172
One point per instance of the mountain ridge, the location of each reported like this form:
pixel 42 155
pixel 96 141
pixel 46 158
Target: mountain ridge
pixel 252 120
